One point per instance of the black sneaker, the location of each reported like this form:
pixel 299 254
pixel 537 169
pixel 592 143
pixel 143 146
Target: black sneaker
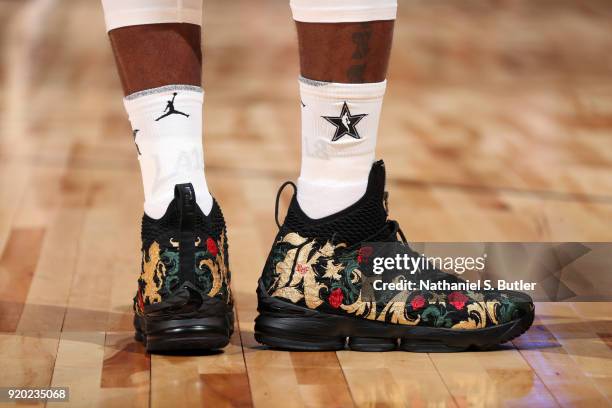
pixel 184 300
pixel 310 298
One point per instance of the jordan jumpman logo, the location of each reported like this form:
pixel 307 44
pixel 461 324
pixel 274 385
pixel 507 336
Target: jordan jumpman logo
pixel 170 109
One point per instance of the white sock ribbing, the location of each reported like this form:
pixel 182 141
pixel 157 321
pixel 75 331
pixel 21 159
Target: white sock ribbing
pixel 167 129
pixel 339 127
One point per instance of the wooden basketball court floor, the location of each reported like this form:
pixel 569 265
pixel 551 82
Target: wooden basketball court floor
pixel 497 126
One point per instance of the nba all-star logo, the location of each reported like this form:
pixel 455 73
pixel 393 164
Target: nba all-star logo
pixel 345 123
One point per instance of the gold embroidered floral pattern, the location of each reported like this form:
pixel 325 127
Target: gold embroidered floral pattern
pixel 160 267
pixel 318 275
pixel 212 268
pixel 153 273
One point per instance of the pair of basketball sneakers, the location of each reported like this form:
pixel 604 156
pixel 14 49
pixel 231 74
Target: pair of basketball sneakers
pixel 309 293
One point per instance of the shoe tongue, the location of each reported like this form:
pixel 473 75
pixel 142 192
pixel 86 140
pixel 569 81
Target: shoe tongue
pixel 355 223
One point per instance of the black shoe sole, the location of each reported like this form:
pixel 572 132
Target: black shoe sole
pixel 289 327
pixel 207 333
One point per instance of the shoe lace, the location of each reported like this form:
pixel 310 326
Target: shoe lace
pixel 398 231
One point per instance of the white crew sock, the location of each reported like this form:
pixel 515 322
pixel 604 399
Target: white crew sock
pixel 339 127
pixel 167 128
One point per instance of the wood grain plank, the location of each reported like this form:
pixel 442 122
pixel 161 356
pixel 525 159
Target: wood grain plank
pixel 321 380
pixel 394 379
pixel 45 306
pixel 125 378
pixel 546 356
pixel 18 264
pixel 126 364
pixel 226 390
pixel 78 365
pixel 175 379
pixel 492 378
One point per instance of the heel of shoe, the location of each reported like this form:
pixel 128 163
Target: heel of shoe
pixel 207 333
pixel 201 334
pixel 187 320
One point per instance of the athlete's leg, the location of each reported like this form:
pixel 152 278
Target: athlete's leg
pixel 154 43
pixel 153 55
pixel 158 53
pixel 314 291
pixel 184 247
pixel 344 52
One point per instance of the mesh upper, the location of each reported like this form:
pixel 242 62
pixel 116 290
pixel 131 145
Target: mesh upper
pixel 168 226
pixel 356 223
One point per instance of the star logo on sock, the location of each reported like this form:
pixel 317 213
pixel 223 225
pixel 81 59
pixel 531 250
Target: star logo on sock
pixel 345 123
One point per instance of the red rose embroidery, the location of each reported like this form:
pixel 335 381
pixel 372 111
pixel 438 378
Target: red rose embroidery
pixel 336 297
pixel 211 246
pixel 418 302
pixel 140 301
pixel 458 300
pixel 302 269
pixel 364 253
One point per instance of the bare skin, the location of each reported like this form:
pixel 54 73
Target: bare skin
pixel 345 52
pixel 154 55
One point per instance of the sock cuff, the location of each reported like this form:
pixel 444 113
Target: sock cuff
pixel 334 90
pixel 304 183
pixel 343 11
pixel 320 199
pixel 150 98
pixel 123 13
pixel 164 89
